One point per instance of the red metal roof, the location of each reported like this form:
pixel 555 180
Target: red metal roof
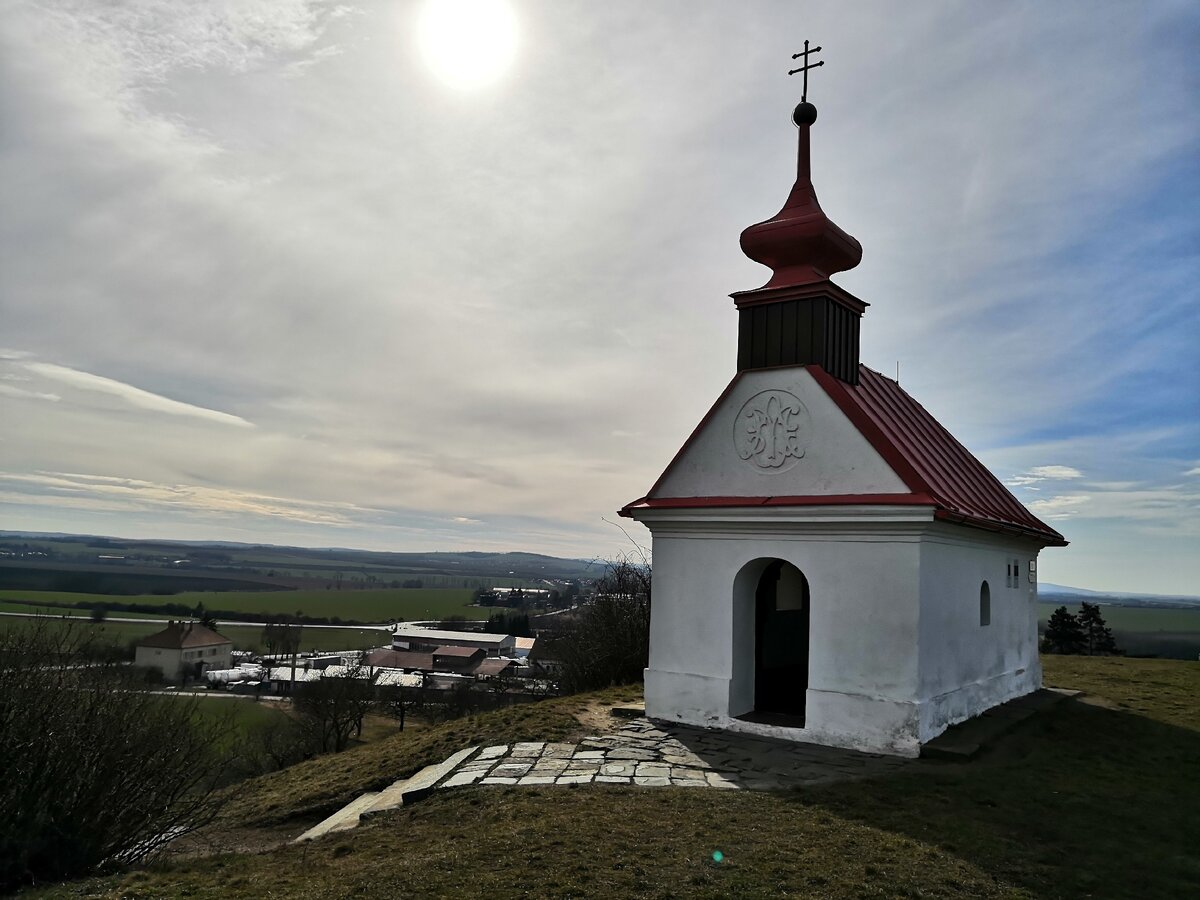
pixel 936 468
pixel 928 458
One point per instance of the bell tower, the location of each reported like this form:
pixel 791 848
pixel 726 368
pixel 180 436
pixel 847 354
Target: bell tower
pixel 800 317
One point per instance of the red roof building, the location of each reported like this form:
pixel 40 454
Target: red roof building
pixel 184 650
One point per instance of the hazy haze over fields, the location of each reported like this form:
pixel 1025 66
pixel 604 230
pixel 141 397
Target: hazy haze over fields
pixel 265 277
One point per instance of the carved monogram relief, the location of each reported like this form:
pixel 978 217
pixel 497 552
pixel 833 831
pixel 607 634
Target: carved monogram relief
pixel 769 430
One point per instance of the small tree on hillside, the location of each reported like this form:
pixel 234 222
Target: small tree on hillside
pixel 1096 636
pixel 1063 634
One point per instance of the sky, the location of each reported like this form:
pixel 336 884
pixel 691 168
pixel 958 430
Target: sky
pixel 301 272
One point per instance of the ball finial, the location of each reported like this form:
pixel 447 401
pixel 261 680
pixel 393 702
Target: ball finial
pixel 804 114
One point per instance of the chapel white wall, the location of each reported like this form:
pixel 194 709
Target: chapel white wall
pixel 965 667
pixel 863 592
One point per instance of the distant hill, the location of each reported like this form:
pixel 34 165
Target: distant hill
pixel 1048 592
pixel 101 564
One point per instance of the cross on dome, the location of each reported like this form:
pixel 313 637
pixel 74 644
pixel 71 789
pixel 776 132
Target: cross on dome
pixel 805 67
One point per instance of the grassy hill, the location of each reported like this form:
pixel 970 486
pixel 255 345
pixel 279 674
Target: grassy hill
pixel 1092 799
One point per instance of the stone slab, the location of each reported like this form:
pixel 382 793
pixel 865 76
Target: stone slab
pixel 629 711
pixel 342 820
pixel 410 790
pixel 964 740
pixel 527 748
pixel 461 779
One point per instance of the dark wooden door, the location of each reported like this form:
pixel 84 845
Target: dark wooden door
pixel 781 645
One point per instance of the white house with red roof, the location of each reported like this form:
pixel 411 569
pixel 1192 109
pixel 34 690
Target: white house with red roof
pixel 184 649
pixel 830 564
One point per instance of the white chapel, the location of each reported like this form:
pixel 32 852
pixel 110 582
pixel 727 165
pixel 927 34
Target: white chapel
pixel 830 564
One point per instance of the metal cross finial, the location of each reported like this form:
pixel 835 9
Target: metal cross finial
pixel 805 67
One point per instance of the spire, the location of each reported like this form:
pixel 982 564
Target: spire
pixel 799 317
pixel 800 243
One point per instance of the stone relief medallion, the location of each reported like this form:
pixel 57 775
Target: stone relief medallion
pixel 769 430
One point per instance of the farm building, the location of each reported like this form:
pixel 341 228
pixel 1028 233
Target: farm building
pixel 830 564
pixel 413 637
pixel 184 650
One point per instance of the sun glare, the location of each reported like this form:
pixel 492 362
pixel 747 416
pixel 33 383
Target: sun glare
pixel 467 43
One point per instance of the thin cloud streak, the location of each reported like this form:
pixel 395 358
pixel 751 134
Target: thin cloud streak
pixel 134 396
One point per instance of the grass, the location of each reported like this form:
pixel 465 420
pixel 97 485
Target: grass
pixel 1092 799
pixel 376 606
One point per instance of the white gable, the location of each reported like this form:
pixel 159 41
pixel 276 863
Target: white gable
pixel 776 433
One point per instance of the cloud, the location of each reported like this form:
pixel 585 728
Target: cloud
pixel 116 493
pixel 20 393
pixel 134 396
pixel 1044 473
pixel 1193 471
pixel 1060 507
pixel 464 520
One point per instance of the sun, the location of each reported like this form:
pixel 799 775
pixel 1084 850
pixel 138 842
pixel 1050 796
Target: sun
pixel 467 43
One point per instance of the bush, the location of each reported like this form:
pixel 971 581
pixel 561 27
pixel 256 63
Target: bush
pixel 93 772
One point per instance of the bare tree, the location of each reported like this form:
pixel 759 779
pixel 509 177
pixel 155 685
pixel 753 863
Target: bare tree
pixel 94 772
pixel 335 707
pixel 609 640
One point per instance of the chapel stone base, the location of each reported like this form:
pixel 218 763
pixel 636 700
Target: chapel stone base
pixel 895 727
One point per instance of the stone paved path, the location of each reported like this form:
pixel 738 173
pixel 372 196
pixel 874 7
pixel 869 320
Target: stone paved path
pixel 652 754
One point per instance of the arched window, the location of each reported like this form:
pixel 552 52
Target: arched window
pixel 985 604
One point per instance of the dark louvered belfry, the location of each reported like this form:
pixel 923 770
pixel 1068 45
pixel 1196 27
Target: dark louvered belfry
pixel 800 317
pixel 820 328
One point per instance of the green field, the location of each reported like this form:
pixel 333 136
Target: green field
pixel 375 606
pixel 1135 618
pixel 244 637
pixel 11 606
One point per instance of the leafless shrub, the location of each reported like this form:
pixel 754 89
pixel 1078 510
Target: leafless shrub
pixel 608 641
pixel 93 770
pixel 334 707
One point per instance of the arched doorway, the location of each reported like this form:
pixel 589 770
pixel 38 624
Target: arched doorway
pixel 781 618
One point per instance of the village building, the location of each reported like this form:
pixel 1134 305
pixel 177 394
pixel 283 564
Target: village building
pixel 414 637
pixel 830 564
pixel 184 650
